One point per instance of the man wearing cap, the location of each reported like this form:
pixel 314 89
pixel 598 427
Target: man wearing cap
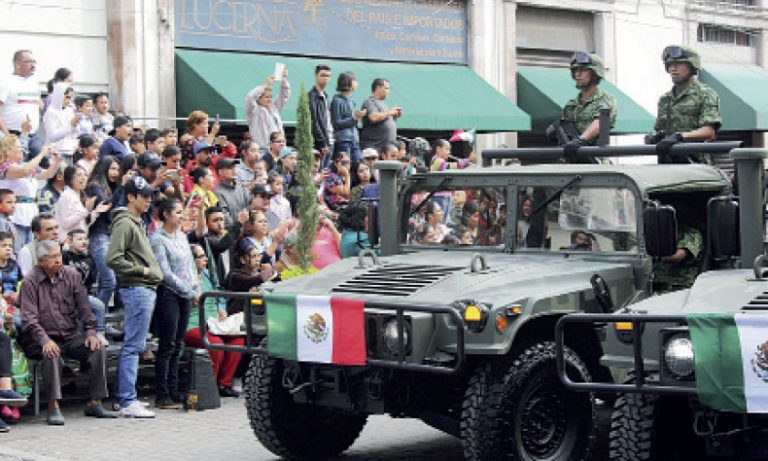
pixel 116 145
pixel 690 111
pixel 20 101
pixel 261 195
pixel 587 70
pixel 138 274
pixel 149 165
pixel 287 165
pixel 233 197
pixel 203 158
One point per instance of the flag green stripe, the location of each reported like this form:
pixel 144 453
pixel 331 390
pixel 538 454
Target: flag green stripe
pixel 281 325
pixel 719 373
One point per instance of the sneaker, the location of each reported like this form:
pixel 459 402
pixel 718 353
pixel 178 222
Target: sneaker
pixel 4 427
pixel 102 339
pixel 97 411
pixel 228 392
pixel 136 410
pixel 55 418
pixel 9 414
pixel 166 403
pixel 237 384
pixel 12 399
pixel 113 333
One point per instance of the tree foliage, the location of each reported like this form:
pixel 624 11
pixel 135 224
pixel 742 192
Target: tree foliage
pixel 308 210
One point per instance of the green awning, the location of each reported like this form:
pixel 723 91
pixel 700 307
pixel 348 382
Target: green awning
pixel 743 95
pixel 434 97
pixel 543 91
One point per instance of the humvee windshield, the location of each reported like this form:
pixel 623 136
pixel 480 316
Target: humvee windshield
pixel 474 216
pixel 577 218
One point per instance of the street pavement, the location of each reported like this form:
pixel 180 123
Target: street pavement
pixel 221 434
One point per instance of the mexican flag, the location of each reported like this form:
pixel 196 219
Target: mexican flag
pixel 319 329
pixel 731 355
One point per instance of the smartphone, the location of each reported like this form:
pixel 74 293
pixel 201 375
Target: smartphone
pixel 221 140
pixel 173 175
pixel 218 119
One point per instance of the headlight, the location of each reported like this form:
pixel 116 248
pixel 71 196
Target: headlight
pixel 389 333
pixel 678 357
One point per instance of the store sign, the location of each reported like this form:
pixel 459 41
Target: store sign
pixel 391 30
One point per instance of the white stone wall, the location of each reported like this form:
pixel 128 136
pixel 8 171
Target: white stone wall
pixel 71 34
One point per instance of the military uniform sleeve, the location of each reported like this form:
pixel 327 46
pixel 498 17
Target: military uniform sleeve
pixel 710 109
pixel 692 241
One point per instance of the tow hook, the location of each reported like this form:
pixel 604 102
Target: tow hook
pixel 290 378
pixel 704 423
pixel 374 387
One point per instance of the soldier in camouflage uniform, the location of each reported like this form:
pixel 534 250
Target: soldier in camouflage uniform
pixel 690 111
pixel 587 71
pixel 679 271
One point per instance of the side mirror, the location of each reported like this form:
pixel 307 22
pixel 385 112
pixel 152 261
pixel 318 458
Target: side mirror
pixel 660 230
pixel 724 217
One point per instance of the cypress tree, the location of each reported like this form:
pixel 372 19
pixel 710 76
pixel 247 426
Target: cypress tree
pixel 308 210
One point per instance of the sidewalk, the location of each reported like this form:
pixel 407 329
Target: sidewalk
pixel 174 434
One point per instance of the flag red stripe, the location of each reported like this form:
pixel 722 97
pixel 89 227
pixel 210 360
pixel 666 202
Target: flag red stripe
pixel 348 332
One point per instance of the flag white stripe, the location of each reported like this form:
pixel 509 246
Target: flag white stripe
pixel 753 332
pixel 312 344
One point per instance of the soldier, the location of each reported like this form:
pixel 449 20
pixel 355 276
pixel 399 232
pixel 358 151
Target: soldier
pixel 587 71
pixel 690 111
pixel 679 270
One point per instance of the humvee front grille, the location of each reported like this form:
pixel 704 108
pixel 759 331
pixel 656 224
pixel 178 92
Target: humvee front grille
pixel 395 279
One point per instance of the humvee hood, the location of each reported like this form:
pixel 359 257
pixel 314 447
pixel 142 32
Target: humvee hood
pixel 509 278
pixel 714 292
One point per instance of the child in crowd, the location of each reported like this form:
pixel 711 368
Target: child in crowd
pixel 10 276
pixel 7 207
pixel 87 152
pixel 77 256
pixel 84 110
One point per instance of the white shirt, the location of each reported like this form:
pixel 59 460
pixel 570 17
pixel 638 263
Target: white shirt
pixel 21 100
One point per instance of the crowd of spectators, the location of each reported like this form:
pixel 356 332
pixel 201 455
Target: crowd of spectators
pixel 98 215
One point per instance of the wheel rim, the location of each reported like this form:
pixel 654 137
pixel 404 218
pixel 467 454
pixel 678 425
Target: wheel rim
pixel 542 421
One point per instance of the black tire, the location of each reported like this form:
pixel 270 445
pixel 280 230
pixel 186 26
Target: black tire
pixel 528 414
pixel 650 427
pixel 292 430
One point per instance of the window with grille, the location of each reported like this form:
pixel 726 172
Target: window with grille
pixel 717 34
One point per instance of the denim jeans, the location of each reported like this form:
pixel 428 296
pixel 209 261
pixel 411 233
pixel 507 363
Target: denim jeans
pixel 139 303
pixel 23 236
pixel 171 318
pixel 98 245
pixel 98 310
pixel 350 147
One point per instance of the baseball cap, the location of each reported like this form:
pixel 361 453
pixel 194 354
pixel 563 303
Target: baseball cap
pixel 368 153
pixel 137 185
pixel 226 162
pixel 202 145
pixel 149 159
pixel 119 121
pixel 260 189
pixel 287 151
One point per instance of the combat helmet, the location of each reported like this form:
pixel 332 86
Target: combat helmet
pixel 592 62
pixel 677 53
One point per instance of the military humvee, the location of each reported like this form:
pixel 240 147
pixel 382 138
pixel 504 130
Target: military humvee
pixel 461 305
pixel 680 396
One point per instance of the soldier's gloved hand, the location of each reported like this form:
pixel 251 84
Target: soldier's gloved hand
pixel 571 147
pixel 663 147
pixel 654 138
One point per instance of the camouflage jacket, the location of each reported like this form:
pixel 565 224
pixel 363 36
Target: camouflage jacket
pixel 693 107
pixel 681 275
pixel 582 112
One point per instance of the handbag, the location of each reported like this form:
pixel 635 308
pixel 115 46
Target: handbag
pixel 234 325
pixel 20 379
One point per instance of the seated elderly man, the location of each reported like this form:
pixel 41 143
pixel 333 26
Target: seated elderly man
pixel 54 304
